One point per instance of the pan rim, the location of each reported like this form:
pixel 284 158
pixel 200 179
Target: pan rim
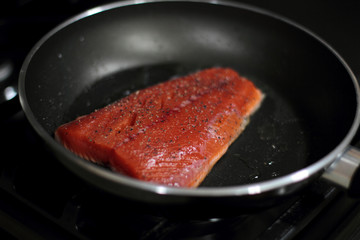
pixel 224 191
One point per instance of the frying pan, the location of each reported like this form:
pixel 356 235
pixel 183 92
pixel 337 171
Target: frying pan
pixel 301 132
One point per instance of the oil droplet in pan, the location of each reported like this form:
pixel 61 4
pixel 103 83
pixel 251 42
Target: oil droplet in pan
pixel 254 173
pixel 254 176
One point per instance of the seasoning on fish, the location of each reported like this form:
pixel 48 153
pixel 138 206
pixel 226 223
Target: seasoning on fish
pixel 171 133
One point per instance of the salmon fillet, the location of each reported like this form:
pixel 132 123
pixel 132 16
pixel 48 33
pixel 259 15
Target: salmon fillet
pixel 171 133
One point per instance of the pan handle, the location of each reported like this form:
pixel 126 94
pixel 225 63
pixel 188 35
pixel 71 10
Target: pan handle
pixel 345 171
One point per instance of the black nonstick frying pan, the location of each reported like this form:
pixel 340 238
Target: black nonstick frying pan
pixel 301 132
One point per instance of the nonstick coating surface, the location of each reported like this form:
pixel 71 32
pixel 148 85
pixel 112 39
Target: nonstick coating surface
pixel 310 103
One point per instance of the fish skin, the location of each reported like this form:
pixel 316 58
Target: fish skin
pixel 171 133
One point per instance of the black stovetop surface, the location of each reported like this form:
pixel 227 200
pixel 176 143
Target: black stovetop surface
pixel 39 198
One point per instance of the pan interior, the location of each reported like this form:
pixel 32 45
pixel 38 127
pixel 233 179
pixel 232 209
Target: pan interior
pixel 310 99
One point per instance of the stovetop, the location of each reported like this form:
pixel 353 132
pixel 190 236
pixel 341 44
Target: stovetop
pixel 41 199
